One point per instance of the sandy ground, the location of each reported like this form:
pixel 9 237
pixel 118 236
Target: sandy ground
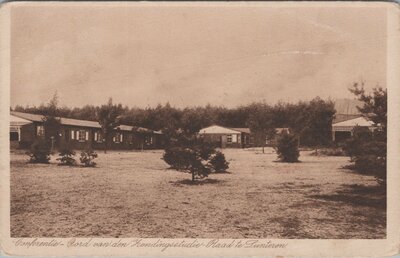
pixel 134 194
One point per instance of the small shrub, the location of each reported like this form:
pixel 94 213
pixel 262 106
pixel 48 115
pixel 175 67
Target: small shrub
pixel 371 165
pixel 287 148
pixel 177 157
pixel 194 159
pixel 87 157
pixel 218 162
pixel 337 151
pixel 368 151
pixel 355 145
pixel 39 152
pixel 67 157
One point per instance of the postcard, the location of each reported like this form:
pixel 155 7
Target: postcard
pixel 200 129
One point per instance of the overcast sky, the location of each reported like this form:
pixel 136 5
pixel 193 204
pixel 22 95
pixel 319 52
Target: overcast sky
pixel 228 55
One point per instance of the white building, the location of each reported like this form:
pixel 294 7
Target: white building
pixel 344 129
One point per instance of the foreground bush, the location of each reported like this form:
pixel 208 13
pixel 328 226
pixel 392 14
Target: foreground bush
pixel 178 157
pixel 67 157
pixel 218 162
pixel 39 152
pixel 368 152
pixel 287 148
pixel 87 157
pixel 199 159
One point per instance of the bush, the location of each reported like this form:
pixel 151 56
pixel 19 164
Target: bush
pixel 67 157
pixel 199 159
pixel 39 152
pixel 334 151
pixel 188 159
pixel 87 157
pixel 218 162
pixel 355 145
pixel 177 157
pixel 287 148
pixel 368 152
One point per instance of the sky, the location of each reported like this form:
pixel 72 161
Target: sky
pixel 193 54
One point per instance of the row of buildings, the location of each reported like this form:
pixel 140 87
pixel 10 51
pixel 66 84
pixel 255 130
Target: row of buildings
pixel 80 134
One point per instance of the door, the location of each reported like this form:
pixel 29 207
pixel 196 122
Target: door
pixel 223 141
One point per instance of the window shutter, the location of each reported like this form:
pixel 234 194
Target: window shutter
pixel 77 135
pixel 120 137
pixel 95 137
pixel 87 136
pixel 114 139
pixel 72 134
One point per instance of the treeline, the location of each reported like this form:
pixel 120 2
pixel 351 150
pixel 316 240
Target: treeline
pixel 310 120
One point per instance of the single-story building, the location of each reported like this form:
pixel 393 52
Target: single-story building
pixel 25 128
pixel 225 137
pixel 229 137
pixel 342 130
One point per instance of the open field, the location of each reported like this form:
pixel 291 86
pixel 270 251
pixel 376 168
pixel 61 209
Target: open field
pixel 134 194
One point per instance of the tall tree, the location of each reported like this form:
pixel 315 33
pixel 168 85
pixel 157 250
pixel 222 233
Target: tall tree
pixel 374 104
pixel 368 149
pixel 51 121
pixel 108 117
pixel 260 122
pixel 318 116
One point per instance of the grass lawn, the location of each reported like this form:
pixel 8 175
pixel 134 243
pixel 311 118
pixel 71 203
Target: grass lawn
pixel 134 194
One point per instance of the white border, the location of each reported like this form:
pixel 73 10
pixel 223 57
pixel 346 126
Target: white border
pixel 383 247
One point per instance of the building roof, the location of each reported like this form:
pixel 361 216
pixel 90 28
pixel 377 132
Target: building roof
pixel 75 122
pixel 124 127
pixel 216 129
pixel 280 130
pixel 135 128
pixel 242 130
pixel 359 121
pixel 18 121
pixel 27 116
pixel 63 120
pixel 344 117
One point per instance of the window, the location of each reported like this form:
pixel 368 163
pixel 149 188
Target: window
pixel 229 138
pixel 83 135
pixel 14 136
pixel 117 138
pixel 149 140
pixel 234 138
pixel 98 137
pixel 40 130
pixel 72 135
pixel 130 138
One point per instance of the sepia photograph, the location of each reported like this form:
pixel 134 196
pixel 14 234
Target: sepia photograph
pixel 198 121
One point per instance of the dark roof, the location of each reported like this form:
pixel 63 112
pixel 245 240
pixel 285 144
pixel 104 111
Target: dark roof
pixel 77 122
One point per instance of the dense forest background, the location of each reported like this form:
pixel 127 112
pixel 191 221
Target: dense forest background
pixel 311 120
